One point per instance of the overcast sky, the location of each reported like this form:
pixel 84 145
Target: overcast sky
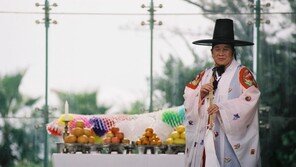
pixel 105 51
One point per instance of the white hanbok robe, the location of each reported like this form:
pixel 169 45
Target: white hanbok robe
pixel 236 124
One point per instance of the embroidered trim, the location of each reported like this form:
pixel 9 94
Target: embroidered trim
pixel 193 84
pixel 246 78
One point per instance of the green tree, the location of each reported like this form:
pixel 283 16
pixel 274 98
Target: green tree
pixel 137 107
pixel 175 76
pixel 279 93
pixel 82 102
pixel 14 134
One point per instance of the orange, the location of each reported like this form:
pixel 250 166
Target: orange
pixel 77 131
pixel 91 140
pixel 70 139
pixel 80 124
pixel 82 139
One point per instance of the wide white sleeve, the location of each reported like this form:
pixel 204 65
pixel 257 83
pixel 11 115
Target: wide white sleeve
pixel 237 114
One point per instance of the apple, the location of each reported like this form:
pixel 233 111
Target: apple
pixel 119 135
pixel 114 130
pixel 115 140
pixel 80 124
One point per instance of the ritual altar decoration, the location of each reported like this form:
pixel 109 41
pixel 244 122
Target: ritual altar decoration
pixel 160 132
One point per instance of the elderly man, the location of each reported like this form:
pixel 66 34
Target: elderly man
pixel 234 108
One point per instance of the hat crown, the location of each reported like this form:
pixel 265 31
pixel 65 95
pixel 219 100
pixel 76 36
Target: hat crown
pixel 223 29
pixel 223 34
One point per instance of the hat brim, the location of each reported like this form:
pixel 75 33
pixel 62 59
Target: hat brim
pixel 210 42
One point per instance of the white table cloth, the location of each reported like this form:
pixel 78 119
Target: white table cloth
pixel 118 160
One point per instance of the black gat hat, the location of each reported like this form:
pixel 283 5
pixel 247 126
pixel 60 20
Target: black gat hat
pixel 223 34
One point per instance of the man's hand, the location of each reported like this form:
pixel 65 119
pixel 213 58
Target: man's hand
pixel 205 89
pixel 213 109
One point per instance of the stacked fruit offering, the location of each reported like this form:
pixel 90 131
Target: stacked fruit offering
pixel 149 138
pixel 80 134
pixel 115 136
pixel 178 136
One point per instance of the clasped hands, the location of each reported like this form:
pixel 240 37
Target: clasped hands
pixel 204 91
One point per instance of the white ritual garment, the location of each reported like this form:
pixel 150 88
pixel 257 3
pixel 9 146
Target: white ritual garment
pixel 238 117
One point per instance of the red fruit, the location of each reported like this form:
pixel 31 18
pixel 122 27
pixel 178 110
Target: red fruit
pixel 115 140
pixel 119 135
pixel 114 130
pixel 107 140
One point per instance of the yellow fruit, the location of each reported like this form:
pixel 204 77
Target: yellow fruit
pixel 169 141
pixel 109 134
pixel 180 129
pixel 98 140
pixel 179 141
pixel 183 135
pixel 175 135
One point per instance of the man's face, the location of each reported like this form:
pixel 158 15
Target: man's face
pixel 222 54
